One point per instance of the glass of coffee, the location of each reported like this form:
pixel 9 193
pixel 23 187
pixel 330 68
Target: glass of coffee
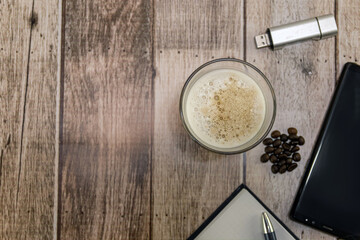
pixel 227 106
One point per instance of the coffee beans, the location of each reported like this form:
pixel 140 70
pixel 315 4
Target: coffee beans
pixel 292 131
pixel 278 151
pixel 293 137
pixel 283 137
pixel 286 146
pixel 282 150
pixel 267 141
pixel 274 169
pixel 301 140
pixel 265 157
pixel 277 143
pixel 273 159
pixel 275 134
pixel 294 149
pixel 292 167
pixel 297 157
pixel 269 149
pixel 288 153
pixel 282 169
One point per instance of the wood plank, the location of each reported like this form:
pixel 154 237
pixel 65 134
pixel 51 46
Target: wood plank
pixel 28 79
pixel 303 78
pixel 105 161
pixel 348 39
pixel 189 182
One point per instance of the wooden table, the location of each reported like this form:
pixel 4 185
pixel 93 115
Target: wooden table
pixel 91 143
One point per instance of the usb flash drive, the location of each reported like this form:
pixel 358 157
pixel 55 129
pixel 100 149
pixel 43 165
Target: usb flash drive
pixel 314 28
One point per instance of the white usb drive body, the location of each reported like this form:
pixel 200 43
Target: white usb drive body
pixel 314 28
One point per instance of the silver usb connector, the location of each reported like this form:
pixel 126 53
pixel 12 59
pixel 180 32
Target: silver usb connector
pixel 262 40
pixel 314 28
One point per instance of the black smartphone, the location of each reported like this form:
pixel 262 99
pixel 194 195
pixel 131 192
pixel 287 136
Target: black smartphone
pixel 329 194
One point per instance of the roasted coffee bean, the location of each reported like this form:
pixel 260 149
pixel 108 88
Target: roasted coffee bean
pixel 294 149
pixel 278 151
pixel 267 141
pixel 292 167
pixel 281 153
pixel 292 131
pixel 269 149
pixel 265 157
pixel 273 159
pixel 277 143
pixel 286 146
pixel 301 140
pixel 275 134
pixel 274 169
pixel 293 137
pixel 296 157
pixel 282 169
pixel 288 153
pixel 283 137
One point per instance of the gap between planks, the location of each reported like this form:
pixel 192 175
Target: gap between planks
pixel 59 119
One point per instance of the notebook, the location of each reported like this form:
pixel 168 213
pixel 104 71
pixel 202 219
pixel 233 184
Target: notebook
pixel 239 217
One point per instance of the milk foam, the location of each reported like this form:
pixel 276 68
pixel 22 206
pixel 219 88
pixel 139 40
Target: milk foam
pixel 225 108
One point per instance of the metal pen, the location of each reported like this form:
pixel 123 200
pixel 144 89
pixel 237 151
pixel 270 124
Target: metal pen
pixel 269 232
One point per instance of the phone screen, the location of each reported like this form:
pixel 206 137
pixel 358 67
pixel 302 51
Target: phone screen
pixel 330 194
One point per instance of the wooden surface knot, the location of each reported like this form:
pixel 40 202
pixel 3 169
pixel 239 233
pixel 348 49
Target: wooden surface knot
pixel 34 19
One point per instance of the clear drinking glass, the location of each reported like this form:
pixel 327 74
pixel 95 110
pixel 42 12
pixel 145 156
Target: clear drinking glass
pixel 257 76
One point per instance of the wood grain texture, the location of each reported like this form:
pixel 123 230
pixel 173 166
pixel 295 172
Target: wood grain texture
pixel 105 164
pixel 189 182
pixel 128 169
pixel 348 39
pixel 303 77
pixel 28 79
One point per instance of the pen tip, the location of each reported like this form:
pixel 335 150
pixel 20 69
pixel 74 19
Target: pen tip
pixel 264 223
pixel 267 223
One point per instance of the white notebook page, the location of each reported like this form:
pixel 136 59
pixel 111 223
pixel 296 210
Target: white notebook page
pixel 241 219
